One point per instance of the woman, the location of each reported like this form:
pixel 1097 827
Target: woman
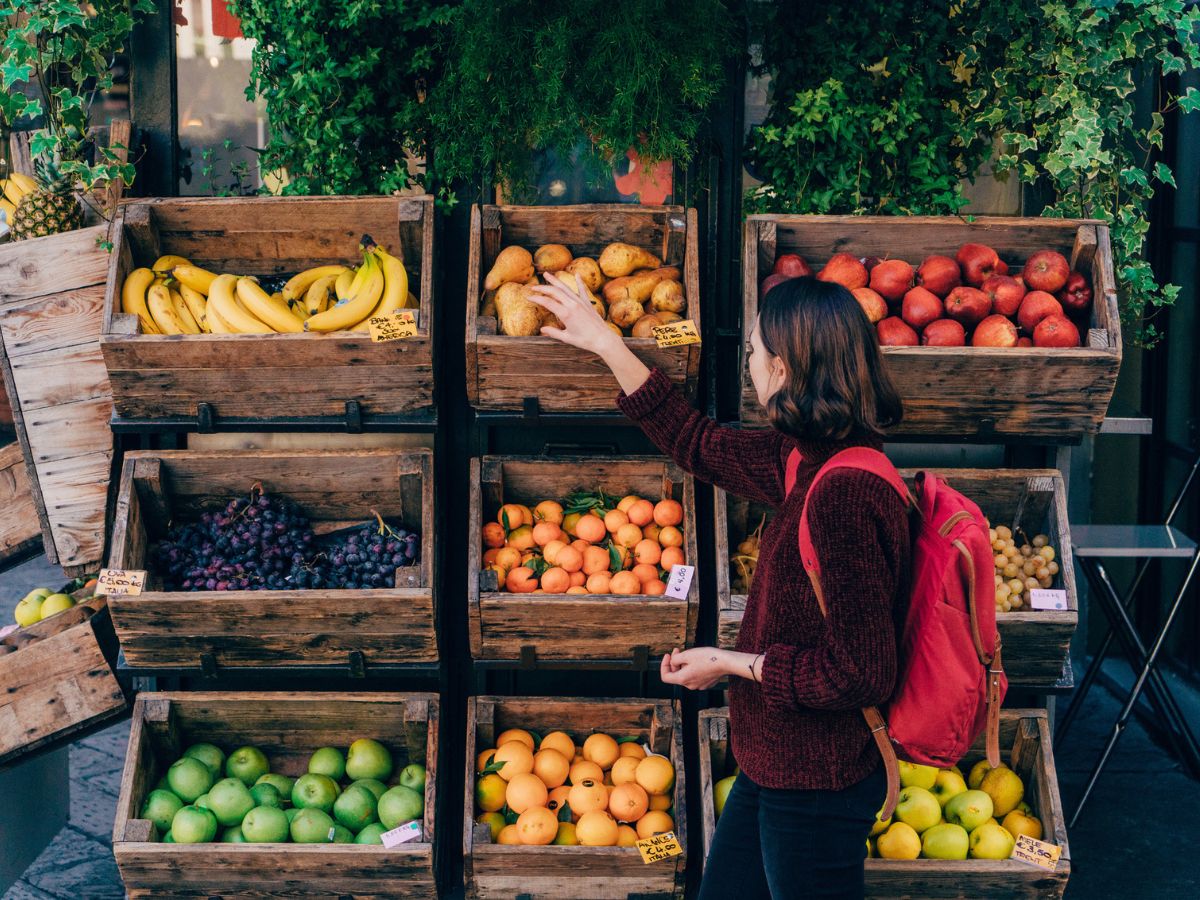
pixel 811 780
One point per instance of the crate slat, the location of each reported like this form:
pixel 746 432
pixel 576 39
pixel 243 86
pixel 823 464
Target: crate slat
pixel 20 529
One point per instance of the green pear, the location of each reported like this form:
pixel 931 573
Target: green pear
pixel 945 841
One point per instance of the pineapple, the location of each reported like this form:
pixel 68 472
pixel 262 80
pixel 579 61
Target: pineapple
pixel 51 207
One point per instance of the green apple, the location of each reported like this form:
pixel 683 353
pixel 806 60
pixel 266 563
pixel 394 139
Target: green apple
pixel 947 785
pixel 918 808
pixel 266 825
pixel 247 764
pixel 313 791
pixel 981 768
pixel 56 603
pixel 188 779
pixel 202 802
pixel 281 783
pixel 162 784
pixel 990 841
pixel 342 835
pixel 945 841
pixel 721 793
pixel 28 611
pixel 42 593
pixel 230 800
pixel 900 841
pixel 400 804
pixel 291 812
pixel 168 838
pixel 413 776
pixel 160 808
pixel 374 785
pixel 312 826
pixel 969 809
pixel 266 795
pixel 328 761
pixel 193 825
pixel 233 835
pixel 1005 788
pixel 209 754
pixel 355 808
pixel 372 834
pixel 914 775
pixel 367 759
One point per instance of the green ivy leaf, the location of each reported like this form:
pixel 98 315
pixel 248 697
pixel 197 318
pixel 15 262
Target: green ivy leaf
pixel 1163 173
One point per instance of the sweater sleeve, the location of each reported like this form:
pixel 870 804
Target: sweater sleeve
pixel 745 462
pixel 860 534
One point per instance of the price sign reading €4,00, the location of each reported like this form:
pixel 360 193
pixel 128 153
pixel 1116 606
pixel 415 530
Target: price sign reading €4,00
pixel 676 334
pixel 392 327
pixel 120 582
pixel 660 847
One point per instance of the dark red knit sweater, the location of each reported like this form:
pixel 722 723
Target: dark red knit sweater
pixel 801 728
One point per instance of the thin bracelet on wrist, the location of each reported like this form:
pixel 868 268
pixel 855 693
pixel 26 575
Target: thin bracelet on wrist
pixel 753 663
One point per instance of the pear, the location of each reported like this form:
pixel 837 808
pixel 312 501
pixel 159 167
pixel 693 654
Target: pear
pixel 512 264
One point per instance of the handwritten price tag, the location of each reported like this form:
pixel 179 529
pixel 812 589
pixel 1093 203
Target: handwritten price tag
pixel 679 581
pixel 120 582
pixel 392 327
pixel 402 834
pixel 660 847
pixel 1040 599
pixel 1036 853
pixel 677 334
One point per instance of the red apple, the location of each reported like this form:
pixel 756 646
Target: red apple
pixel 894 332
pixel 1046 271
pixel 1076 294
pixel 891 278
pixel 770 281
pixel 968 305
pixel 792 265
pixel 920 307
pixel 1056 331
pixel 995 331
pixel 1035 307
pixel 1006 293
pixel 1024 342
pixel 872 304
pixel 846 270
pixel 944 333
pixel 978 261
pixel 939 274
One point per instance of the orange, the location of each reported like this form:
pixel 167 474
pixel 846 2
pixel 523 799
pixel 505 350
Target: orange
pixel 671 557
pixel 602 750
pixel 493 535
pixel 584 770
pixel 646 551
pixel 528 556
pixel 670 537
pixel 512 517
pixel 508 835
pixel 588 795
pixel 558 797
pixel 489 793
pixel 653 823
pixel 626 836
pixel 628 802
pixel 566 835
pixel 545 532
pixel 577 590
pixel 628 535
pixel 634 749
pixel 628 501
pixel 489 557
pixel 548 511
pixel 522 538
pixel 552 767
pixel 578 580
pixel 525 792
pixel 623 555
pixel 515 734
pixel 568 523
pixel 614 520
pixel 623 583
pixel 645 573
pixel 623 770
pixel 590 528
pixel 551 550
pixel 641 513
pixel 555 581
pixel 652 532
pixel 485 756
pixel 526 513
pixel 661 802
pixel 494 821
pixel 668 512
pixel 595 559
pixel 508 557
pixel 655 774
pixel 600 583
pixel 654 588
pixel 560 741
pixel 521 580
pixel 537 825
pixel 596 829
pixel 517 759
pixel 580 545
pixel 569 559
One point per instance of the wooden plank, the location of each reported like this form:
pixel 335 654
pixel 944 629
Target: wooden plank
pixel 48 265
pixel 54 322
pixel 20 529
pixel 67 430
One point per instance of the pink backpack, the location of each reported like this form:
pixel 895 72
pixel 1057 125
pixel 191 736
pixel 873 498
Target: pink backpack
pixel 950 681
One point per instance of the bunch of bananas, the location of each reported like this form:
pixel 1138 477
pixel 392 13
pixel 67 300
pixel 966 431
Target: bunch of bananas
pixel 12 189
pixel 176 297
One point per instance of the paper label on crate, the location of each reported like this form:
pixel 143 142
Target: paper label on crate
pixel 402 834
pixel 392 327
pixel 1043 599
pixel 1036 853
pixel 679 581
pixel 660 847
pixel 677 334
pixel 120 582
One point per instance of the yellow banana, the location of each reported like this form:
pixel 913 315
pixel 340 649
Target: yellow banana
pixel 395 288
pixel 296 308
pixel 222 301
pixel 341 287
pixel 263 307
pixel 317 298
pixel 164 264
pixel 163 310
pixel 358 304
pixel 133 298
pixel 298 285
pixel 196 278
pixel 21 183
pixel 197 306
pixel 215 322
pixel 190 326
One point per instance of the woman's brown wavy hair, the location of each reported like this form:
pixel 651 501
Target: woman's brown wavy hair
pixel 835 386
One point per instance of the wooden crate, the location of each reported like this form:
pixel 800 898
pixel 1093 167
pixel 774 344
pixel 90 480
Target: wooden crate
pixel 499 872
pixel 965 391
pixel 20 528
pixel 1035 643
pixel 1026 748
pixel 57 678
pixel 287 727
pixel 279 628
pixel 509 373
pixel 259 376
pixel 530 626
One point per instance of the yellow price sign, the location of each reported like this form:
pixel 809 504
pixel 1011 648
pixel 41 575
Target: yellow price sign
pixel 1036 853
pixel 677 334
pixel 660 847
pixel 392 327
pixel 120 582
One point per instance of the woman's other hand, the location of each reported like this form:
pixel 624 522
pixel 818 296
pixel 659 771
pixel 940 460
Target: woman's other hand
pixel 697 669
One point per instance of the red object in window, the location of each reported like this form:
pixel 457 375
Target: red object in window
pixel 225 23
pixel 652 186
pixel 177 16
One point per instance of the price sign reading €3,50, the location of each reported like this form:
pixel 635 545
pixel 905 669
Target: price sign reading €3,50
pixel 677 334
pixel 120 582
pixel 1036 853
pixel 392 327
pixel 660 847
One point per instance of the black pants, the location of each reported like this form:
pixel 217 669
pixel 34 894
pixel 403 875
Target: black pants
pixel 783 844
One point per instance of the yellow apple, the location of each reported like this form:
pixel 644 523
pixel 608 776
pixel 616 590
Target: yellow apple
pixel 990 841
pixel 1017 823
pixel 914 775
pixel 900 841
pixel 918 808
pixel 948 784
pixel 945 842
pixel 1005 788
